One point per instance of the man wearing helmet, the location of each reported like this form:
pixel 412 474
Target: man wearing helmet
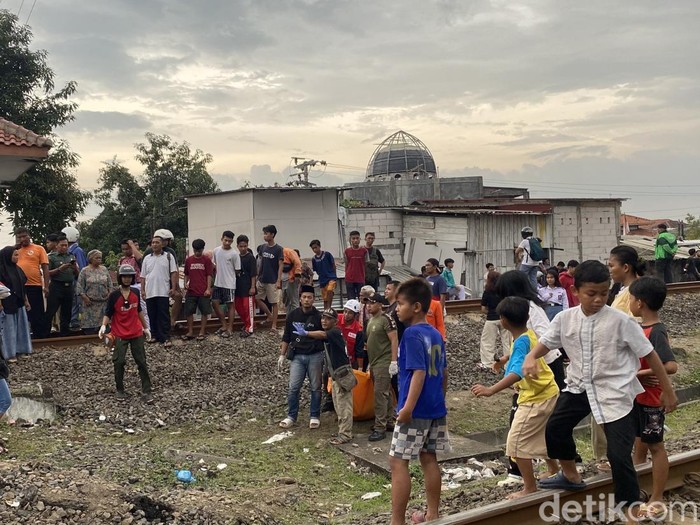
pixel 74 249
pixel 128 326
pixel 522 253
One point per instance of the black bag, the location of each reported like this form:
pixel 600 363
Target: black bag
pixel 4 369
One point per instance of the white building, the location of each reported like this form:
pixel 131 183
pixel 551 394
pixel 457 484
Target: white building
pixel 300 215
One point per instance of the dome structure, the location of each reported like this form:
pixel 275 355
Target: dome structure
pixel 401 156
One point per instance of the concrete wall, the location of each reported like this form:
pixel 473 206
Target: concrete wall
pixel 404 192
pixel 300 216
pixel 386 225
pixel 585 230
pixel 209 216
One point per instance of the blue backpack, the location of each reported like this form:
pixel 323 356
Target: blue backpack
pixel 536 251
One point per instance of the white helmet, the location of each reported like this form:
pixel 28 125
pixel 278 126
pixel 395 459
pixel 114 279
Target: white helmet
pixel 353 305
pixel 164 234
pixel 71 233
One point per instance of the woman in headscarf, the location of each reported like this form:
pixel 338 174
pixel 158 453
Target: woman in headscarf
pixel 16 338
pixel 94 287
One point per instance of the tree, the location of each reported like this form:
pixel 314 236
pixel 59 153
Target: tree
pixel 171 171
pixel 135 207
pixel 46 197
pixel 692 227
pixel 123 212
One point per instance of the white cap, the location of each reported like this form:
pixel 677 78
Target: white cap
pixel 71 233
pixel 164 234
pixel 353 305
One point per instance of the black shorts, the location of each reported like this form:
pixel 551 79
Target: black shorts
pixel 192 303
pixel 650 423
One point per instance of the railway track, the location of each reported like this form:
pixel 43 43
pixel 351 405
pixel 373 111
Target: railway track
pixel 526 511
pixel 453 308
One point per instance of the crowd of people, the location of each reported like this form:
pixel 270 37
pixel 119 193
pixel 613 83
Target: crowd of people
pixel 570 343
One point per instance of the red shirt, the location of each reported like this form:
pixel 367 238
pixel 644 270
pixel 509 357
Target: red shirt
pixel 350 332
pixel 658 336
pixel 355 264
pixel 567 282
pixel 198 269
pixel 124 314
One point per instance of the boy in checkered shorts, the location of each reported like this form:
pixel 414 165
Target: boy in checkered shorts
pixel 421 425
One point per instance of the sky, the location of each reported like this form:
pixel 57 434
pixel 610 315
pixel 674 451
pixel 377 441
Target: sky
pixel 567 98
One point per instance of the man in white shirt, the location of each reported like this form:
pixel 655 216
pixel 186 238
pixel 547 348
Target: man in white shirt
pixel 604 347
pixel 228 266
pixel 522 253
pixel 159 281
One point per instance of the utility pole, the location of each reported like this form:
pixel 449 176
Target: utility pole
pixel 302 173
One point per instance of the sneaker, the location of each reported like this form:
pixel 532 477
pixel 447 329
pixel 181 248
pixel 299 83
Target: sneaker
pixel 147 398
pixel 121 395
pixel 376 435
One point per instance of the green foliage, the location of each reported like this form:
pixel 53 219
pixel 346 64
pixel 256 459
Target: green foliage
pixel 692 228
pixel 133 208
pixel 351 203
pixel 46 197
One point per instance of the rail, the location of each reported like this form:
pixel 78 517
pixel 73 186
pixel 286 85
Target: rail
pixel 452 307
pixel 527 510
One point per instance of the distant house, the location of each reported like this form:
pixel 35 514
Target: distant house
pixel 633 225
pixel 20 149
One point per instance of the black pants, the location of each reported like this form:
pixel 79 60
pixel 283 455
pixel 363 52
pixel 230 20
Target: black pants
pixel 60 297
pixel 159 316
pixel 569 411
pixel 664 269
pixel 557 368
pixel 36 314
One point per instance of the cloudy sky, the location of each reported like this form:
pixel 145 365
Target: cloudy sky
pixel 567 98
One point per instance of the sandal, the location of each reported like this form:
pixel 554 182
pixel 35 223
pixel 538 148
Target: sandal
pixel 201 337
pixel 287 422
pixel 226 334
pixel 339 440
pixel 167 344
pixel 603 466
pixel 219 331
pixel 187 337
pixel 651 512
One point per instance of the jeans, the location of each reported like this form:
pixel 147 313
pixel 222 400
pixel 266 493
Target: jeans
pixel 5 397
pixel 570 410
pixel 531 272
pixel 302 366
pixel 159 315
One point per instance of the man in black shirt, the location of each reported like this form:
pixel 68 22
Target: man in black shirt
pixel 305 355
pixel 245 286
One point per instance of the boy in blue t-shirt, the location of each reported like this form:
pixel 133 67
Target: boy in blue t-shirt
pixel 324 265
pixel 421 425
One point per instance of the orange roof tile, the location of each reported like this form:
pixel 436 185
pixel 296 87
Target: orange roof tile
pixel 14 135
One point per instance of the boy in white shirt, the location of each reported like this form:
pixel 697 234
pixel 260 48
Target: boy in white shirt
pixel 604 347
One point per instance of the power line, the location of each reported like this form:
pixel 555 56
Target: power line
pixel 20 8
pixel 30 13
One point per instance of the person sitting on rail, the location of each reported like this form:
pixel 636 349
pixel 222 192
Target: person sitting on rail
pixel 128 327
pixel 421 424
pixel 454 290
pixel 647 296
pixel 604 347
pixel 536 397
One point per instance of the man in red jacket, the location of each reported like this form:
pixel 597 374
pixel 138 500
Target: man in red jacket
pixel 566 279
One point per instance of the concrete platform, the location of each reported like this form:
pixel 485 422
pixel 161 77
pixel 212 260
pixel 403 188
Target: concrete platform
pixel 375 455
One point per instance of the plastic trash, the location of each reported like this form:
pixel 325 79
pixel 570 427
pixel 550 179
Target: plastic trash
pixel 370 495
pixel 185 476
pixel 278 437
pixel 221 466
